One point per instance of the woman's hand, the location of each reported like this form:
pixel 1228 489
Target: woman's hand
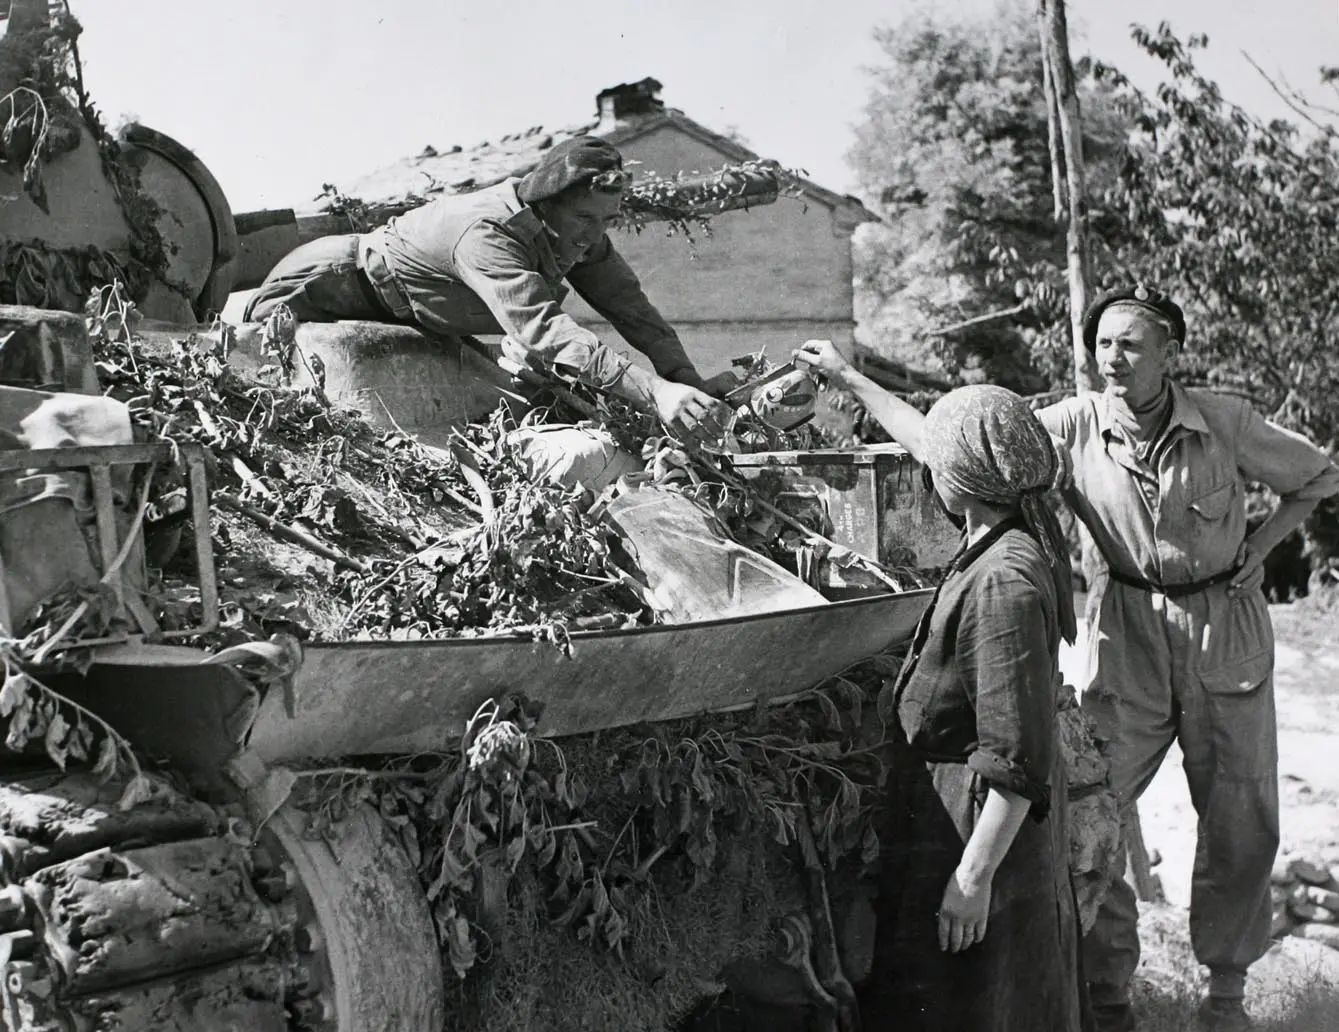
pixel 963 913
pixel 822 356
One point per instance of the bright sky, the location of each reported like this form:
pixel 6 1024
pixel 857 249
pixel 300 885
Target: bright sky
pixel 279 96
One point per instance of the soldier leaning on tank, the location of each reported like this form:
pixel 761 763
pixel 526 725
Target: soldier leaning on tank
pixel 494 261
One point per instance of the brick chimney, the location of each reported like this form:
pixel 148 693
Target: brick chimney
pixel 629 101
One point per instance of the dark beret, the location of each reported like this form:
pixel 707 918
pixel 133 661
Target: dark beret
pixel 1144 297
pixel 574 161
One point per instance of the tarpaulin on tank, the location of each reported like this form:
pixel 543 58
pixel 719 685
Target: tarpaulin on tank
pixel 688 567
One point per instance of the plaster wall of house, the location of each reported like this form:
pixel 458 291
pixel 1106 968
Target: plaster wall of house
pixel 770 277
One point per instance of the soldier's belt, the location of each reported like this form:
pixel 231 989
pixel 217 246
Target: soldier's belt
pixel 1171 590
pixel 374 266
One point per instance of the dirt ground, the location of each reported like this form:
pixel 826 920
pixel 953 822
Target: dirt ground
pixel 1295 988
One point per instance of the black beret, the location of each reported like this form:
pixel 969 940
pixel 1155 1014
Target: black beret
pixel 578 160
pixel 1144 297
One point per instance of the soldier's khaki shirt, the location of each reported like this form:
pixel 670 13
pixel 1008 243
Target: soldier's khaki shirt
pixel 481 262
pixel 1181 516
pixel 1177 518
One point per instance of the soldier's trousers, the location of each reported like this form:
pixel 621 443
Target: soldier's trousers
pixel 1197 670
pixel 320 281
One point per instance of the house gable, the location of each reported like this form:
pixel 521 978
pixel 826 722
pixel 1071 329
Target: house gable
pixel 789 260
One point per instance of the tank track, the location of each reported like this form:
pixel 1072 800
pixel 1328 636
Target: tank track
pixel 163 918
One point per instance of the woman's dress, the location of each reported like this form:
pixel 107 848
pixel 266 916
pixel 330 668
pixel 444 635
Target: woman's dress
pixel 976 706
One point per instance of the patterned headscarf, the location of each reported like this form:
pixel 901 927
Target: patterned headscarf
pixel 986 442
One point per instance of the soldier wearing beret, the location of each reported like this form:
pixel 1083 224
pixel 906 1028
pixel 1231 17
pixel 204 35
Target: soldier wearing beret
pixel 500 260
pixel 1180 644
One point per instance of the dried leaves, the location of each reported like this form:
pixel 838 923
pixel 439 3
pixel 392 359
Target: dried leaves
pixel 535 565
pixel 65 731
pixel 666 801
pixel 539 563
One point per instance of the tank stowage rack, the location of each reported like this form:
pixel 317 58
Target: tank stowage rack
pixel 99 461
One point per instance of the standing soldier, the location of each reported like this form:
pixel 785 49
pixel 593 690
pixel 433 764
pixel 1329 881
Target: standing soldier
pixel 1181 647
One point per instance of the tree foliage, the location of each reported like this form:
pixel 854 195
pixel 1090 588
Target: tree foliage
pixel 1232 214
pixel 953 155
pixel 1236 217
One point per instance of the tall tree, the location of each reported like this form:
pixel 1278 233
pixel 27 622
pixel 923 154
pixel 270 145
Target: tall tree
pixel 1068 175
pixel 1239 217
pixel 953 154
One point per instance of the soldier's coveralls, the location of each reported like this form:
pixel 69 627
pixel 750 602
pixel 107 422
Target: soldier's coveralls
pixel 478 263
pixel 1197 666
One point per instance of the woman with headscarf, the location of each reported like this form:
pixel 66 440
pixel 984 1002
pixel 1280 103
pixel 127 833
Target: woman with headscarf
pixel 977 930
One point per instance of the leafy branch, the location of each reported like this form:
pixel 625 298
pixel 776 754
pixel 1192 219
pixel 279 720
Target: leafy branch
pixel 66 730
pixel 685 202
pixel 25 130
pixel 640 810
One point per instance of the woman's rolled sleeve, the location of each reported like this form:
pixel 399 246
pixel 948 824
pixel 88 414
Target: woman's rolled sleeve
pixel 1001 772
pixel 1006 664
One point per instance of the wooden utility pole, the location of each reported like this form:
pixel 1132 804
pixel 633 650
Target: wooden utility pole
pixel 1066 137
pixel 1066 143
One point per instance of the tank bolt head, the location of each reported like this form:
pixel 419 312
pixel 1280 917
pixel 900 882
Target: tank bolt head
pixel 308 938
pixel 24 978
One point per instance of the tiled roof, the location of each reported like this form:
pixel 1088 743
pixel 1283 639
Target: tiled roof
pixel 459 170
pixel 432 173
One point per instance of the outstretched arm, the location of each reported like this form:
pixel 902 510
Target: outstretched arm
pixel 496 267
pixel 607 283
pixel 904 423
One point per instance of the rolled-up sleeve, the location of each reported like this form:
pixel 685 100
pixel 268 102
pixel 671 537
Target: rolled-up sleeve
pixel 493 264
pixel 1283 461
pixel 608 284
pixel 1007 668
